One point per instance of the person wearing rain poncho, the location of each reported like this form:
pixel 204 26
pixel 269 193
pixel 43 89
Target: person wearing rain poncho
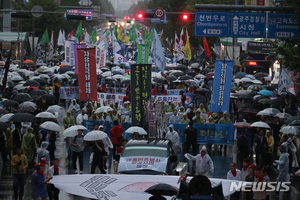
pixel 29 145
pixel 283 165
pixel 43 152
pixel 204 163
pixel 74 108
pixel 68 120
pixel 174 137
pixel 291 150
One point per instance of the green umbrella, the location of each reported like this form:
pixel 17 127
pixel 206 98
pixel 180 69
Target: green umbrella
pixel 289 120
pixel 264 101
pixel 127 76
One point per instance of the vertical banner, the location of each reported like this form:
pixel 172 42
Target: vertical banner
pixel 222 86
pixel 68 44
pixel 136 101
pixel 101 49
pixel 146 88
pixel 87 77
pixel 143 54
pixel 285 81
pixel 77 46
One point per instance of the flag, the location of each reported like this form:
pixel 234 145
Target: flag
pixel 149 38
pixel 7 64
pixel 180 55
pixel 79 31
pixel 132 33
pixel 158 53
pixel 51 48
pixel 181 45
pixel 64 35
pixel 143 54
pixel 206 48
pixel 70 36
pixel 123 48
pixel 185 39
pixel 201 50
pixel 116 46
pixel 108 37
pixel 121 36
pixel 144 34
pixel 115 31
pixel 45 38
pixel 120 60
pixel 88 40
pixel 187 49
pixel 93 36
pixel 101 48
pixel 61 39
pixel 139 39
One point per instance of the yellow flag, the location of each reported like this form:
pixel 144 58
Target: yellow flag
pixel 123 37
pixel 187 49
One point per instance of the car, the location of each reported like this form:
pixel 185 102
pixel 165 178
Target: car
pixel 152 156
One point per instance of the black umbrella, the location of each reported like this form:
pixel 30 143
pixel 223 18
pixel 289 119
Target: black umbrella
pixel 32 83
pixel 203 90
pixel 26 108
pixel 10 83
pixel 23 117
pixel 41 81
pixel 104 69
pixel 21 97
pixel 160 80
pixel 125 82
pixel 21 74
pixel 10 104
pixel 295 123
pixel 163 189
pixel 206 70
pixel 181 67
pixel 190 71
pixel 185 77
pixel 196 69
pixel 270 87
pixel 36 93
pixel 75 76
pixel 260 75
pixel 277 102
pixel 171 77
pixel 3 125
pixel 3 111
pixel 49 97
pixel 178 73
pixel 65 68
pixel 98 76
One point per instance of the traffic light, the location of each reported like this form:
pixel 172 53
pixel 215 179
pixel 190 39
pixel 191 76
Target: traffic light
pixel 185 17
pixel 140 15
pixel 145 15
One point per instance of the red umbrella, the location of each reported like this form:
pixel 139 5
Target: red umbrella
pixel 32 88
pixel 210 74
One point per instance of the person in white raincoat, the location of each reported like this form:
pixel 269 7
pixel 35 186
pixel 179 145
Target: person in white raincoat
pixel 204 163
pixel 291 150
pixel 74 108
pixel 283 165
pixel 174 137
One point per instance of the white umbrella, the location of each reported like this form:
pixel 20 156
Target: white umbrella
pixel 95 135
pixel 260 125
pixel 72 131
pixel 137 129
pixel 34 77
pixel 243 92
pixel 20 87
pixel 42 68
pixel 118 76
pixel 60 76
pixel 16 78
pixel 246 80
pixel 44 76
pixel 70 73
pixel 28 103
pixel 103 109
pixel 257 82
pixel 200 76
pixel 250 76
pixel 283 115
pixel 106 74
pixel 268 112
pixel 5 118
pixel 290 130
pixel 50 126
pixel 46 115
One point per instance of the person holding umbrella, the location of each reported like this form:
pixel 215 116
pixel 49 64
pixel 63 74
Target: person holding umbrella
pixel 77 147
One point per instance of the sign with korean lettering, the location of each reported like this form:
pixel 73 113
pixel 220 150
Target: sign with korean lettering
pixel 283 26
pixel 87 77
pixel 146 89
pixel 212 24
pixel 248 25
pixel 222 86
pixel 143 54
pixel 69 52
pixel 77 46
pixel 87 13
pixel 260 2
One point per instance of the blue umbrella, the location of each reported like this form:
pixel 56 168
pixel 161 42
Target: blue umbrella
pixel 265 93
pixel 233 85
pixel 240 74
pixel 119 72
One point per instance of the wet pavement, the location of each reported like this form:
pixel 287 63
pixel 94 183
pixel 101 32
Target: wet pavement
pixel 221 162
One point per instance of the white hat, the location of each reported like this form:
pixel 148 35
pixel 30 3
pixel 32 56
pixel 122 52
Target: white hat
pixel 100 127
pixel 171 126
pixel 203 149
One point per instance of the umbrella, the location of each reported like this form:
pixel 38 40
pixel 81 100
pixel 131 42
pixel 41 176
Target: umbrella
pixel 10 83
pixel 37 93
pixel 21 97
pixel 181 67
pixel 28 61
pixel 264 101
pixel 251 111
pixel 28 103
pixel 16 78
pixel 42 69
pixel 256 82
pixel 40 81
pixel 3 111
pixel 65 68
pixel 20 87
pixel 240 75
pixel 243 92
pixel 163 189
pixel 23 117
pixel 41 64
pixel 185 77
pixel 95 135
pixel 241 124
pixel 277 102
pixel 105 69
pixel 26 108
pixel 10 103
pixel 72 131
pixel 46 115
pixel 290 130
pixel 203 90
pixel 261 75
pixel 32 83
pixel 200 76
pixel 206 70
pixel 265 93
pixel 210 74
pixel 49 97
pixel 171 77
pixel 3 125
pixel 160 80
pixel 119 72
pixel 269 112
pixel 50 126
pixel 283 115
pixel 289 120
pixel 256 87
pixel 6 117
pixel 260 125
pixel 177 73
pixel 295 123
pixel 134 129
pixel 190 71
pixel 108 73
pixel 125 81
pixel 118 76
pixel 246 80
pixel 103 109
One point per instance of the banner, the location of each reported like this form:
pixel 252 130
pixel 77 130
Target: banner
pixel 176 98
pixel 136 102
pixel 143 54
pixel 69 52
pixel 146 88
pixel 67 92
pixel 285 81
pixel 158 54
pixel 77 46
pixel 222 86
pixel 101 47
pixel 107 97
pixel 87 77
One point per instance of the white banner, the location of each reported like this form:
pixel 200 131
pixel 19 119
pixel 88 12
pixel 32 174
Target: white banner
pixel 125 187
pixel 165 98
pixel 285 81
pixel 67 92
pixel 69 52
